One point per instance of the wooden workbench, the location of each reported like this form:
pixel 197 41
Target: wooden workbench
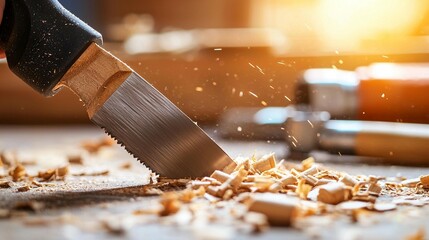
pixel 80 202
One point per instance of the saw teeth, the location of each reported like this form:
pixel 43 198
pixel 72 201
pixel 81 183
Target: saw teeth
pixel 134 156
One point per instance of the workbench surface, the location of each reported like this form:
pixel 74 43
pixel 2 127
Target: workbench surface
pixel 73 207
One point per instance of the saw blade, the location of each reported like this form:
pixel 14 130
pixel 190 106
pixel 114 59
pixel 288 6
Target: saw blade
pixel 158 133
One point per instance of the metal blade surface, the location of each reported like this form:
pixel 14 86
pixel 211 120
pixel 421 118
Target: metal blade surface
pixel 159 134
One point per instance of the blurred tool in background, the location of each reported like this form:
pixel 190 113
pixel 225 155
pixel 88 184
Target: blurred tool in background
pixel 380 92
pixel 306 131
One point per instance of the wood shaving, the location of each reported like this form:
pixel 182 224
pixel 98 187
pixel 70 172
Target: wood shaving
pixel 54 174
pixel 267 162
pixel 5 184
pixel 286 192
pixel 77 159
pixel 170 203
pixel 280 210
pixel 24 188
pixel 18 173
pixel 95 146
pixel 334 193
pixel 251 194
pixel 126 165
pixel 424 180
pixel 8 158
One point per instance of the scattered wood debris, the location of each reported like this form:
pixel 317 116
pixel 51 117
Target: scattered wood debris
pixel 170 203
pixel 253 192
pixel 24 188
pixel 76 158
pixel 285 192
pixel 18 173
pixel 95 146
pixel 8 158
pixel 280 210
pixel 5 184
pixel 126 165
pixel 334 193
pixel 54 174
pixel 424 180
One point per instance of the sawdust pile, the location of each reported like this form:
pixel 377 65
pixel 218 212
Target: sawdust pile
pixel 282 194
pixel 250 197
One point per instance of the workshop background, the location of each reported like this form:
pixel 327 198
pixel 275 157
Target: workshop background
pixel 211 55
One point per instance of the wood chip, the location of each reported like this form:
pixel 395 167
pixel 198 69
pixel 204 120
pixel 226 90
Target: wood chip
pixel 303 189
pixel 24 188
pixel 61 172
pixel 321 182
pixel 288 180
pixel 170 203
pixel 236 179
pixel 348 180
pixel 76 158
pixel 310 171
pixel 18 173
pixel 5 184
pixel 95 146
pixel 411 182
pixel 8 158
pixel 220 176
pixel 307 163
pixel 374 189
pixel 364 198
pixel 334 193
pixel 265 163
pixel 47 175
pixel 126 165
pixel 280 210
pixel 424 180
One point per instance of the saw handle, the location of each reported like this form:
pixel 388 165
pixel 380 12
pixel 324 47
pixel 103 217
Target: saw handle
pixel 42 40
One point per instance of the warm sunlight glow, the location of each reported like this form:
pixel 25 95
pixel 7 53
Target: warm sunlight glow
pixel 341 23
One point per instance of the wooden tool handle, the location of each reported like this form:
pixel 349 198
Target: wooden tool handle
pixel 394 93
pixel 396 147
pixel 94 76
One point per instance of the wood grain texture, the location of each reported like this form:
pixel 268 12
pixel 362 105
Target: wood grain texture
pixel 95 76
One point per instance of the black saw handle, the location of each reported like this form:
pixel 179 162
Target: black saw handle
pixel 42 40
